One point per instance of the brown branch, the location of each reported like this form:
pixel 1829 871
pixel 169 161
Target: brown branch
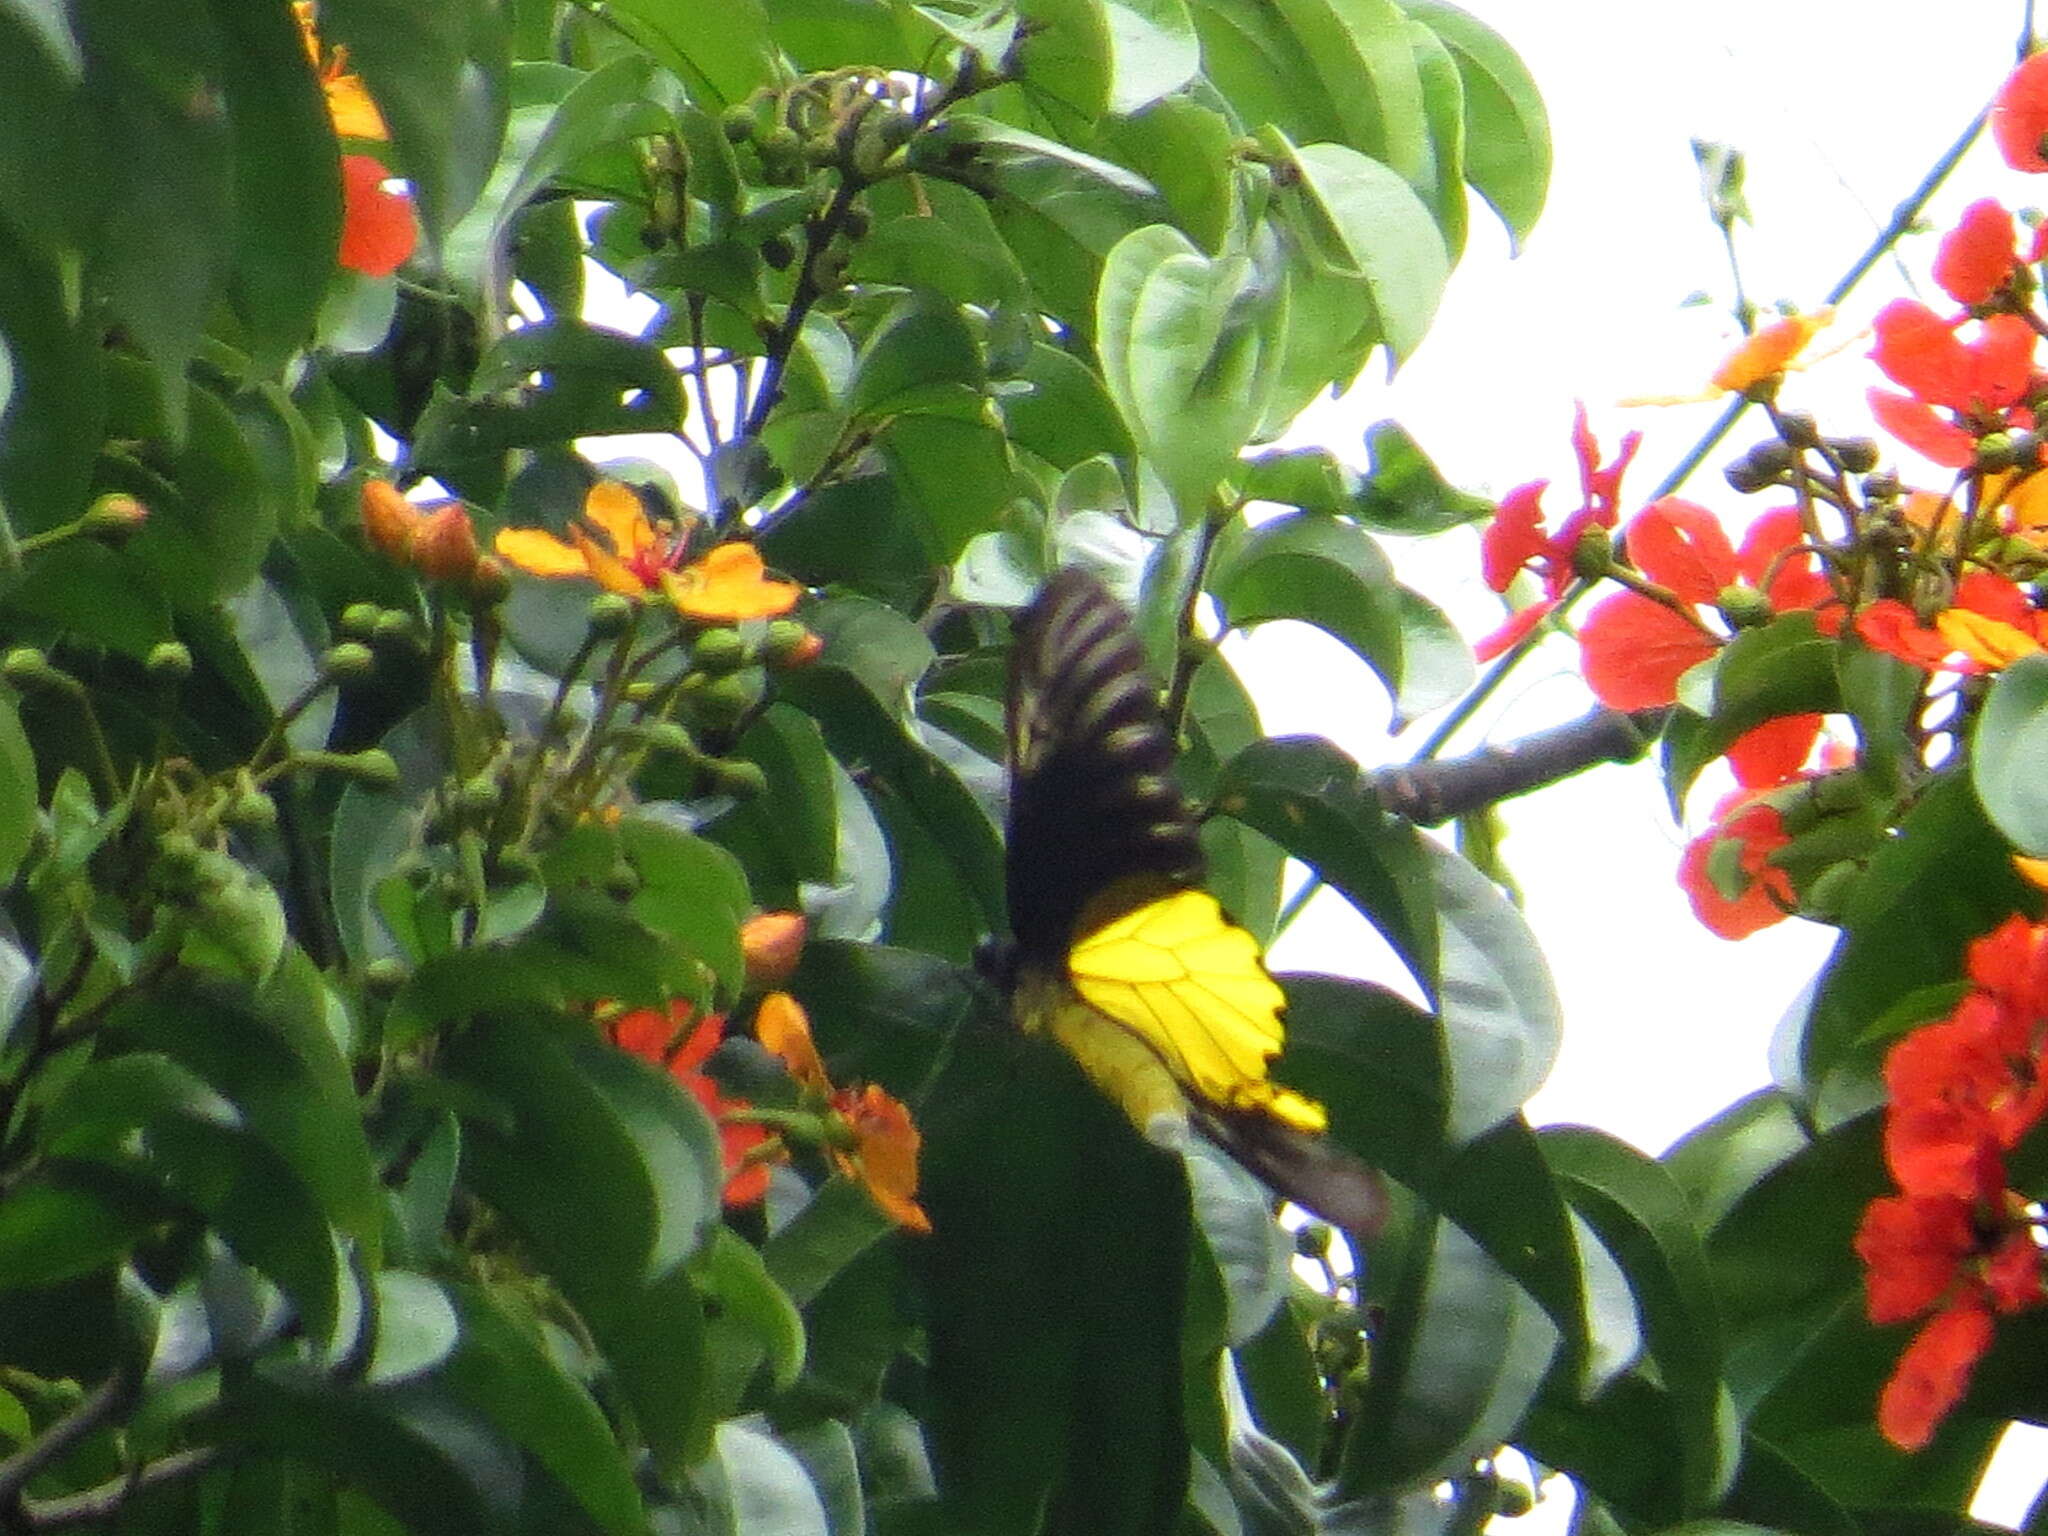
pixel 1440 789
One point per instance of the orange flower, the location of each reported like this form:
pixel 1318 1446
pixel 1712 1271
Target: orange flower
pixel 1981 383
pixel 638 556
pixel 744 1146
pixel 1990 625
pixel 1933 1374
pixel 1977 257
pixel 871 1140
pixel 353 113
pixel 377 228
pixel 1769 351
pixel 1755 893
pixel 772 943
pixel 2019 115
pixel 437 540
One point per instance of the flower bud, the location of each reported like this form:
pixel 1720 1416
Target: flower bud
pixel 252 810
pixel 622 881
pixel 385 974
pixel 169 662
pixel 489 582
pixel 1743 477
pixel 374 767
pixel 725 700
pixel 1994 453
pixel 738 777
pixel 388 519
pixel 393 627
pixel 2026 449
pixel 359 620
pixel 610 613
pixel 719 651
pixel 667 736
pixel 478 796
pixel 1828 892
pixel 1593 555
pixel 349 662
pixel 444 545
pixel 1312 1240
pixel 1744 607
pixel 1882 485
pixel 772 943
pixel 789 644
pixel 1858 455
pixel 27 667
pixel 737 123
pixel 1799 429
pixel 114 518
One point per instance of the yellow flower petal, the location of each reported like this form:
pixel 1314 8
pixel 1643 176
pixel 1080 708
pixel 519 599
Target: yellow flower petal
pixel 1770 350
pixel 1990 641
pixel 613 510
pixel 785 1033
pixel 2033 871
pixel 727 585
pixel 354 114
pixel 884 1159
pixel 607 569
pixel 539 553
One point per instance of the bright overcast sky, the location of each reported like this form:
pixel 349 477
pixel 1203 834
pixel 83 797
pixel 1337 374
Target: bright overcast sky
pixel 1840 108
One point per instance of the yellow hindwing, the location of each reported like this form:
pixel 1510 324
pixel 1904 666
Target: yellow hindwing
pixel 1191 985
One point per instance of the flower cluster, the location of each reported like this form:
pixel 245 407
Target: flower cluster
pixel 615 544
pixel 1956 1246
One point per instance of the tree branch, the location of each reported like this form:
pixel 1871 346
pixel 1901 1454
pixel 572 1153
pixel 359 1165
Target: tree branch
pixel 1430 791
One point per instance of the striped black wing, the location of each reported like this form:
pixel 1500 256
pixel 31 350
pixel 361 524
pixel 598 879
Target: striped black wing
pixel 1093 801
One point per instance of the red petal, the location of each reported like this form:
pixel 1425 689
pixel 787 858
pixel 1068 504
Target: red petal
pixel 1911 1247
pixel 2000 363
pixel 1515 536
pixel 377 229
pixel 1933 1374
pixel 1681 545
pixel 1919 352
pixel 1996 597
pixel 1519 624
pixel 1774 752
pixel 1633 651
pixel 1976 256
pixel 2019 115
pixel 1752 911
pixel 1916 425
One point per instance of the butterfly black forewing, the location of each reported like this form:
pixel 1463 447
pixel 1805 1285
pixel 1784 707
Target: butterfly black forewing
pixel 1093 801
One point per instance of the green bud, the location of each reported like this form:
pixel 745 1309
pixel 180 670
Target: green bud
pixel 1593 555
pixel 1881 486
pixel 1743 477
pixel 1836 793
pixel 1745 607
pixel 821 149
pixel 179 849
pixel 622 881
pixel 737 123
pixel 726 700
pixel 2026 449
pixel 1799 429
pixel 114 518
pixel 1512 1499
pixel 27 667
pixel 667 736
pixel 385 975
pixel 514 866
pixel 252 810
pixel 1994 453
pixel 1827 894
pixel 359 620
pixel 169 662
pixel 785 641
pixel 639 691
pixel 719 651
pixel 349 662
pixel 739 778
pixel 478 796
pixel 393 627
pixel 375 767
pixel 780 143
pixel 1858 455
pixel 610 614
pixel 895 129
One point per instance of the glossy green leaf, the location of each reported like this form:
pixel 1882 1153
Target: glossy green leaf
pixel 438 74
pixel 1361 53
pixel 572 117
pixel 55 393
pixel 1641 1216
pixel 1263 69
pixel 719 64
pixel 753 1322
pixel 1187 345
pixel 1442 183
pixel 1404 492
pixel 1784 668
pixel 1092 201
pixel 1064 58
pixel 1361 220
pixel 2005 754
pixel 945 242
pixel 1319 571
pixel 18 795
pixel 1716 1163
pixel 1253 1258
pixel 1153 51
pixel 1184 149
pixel 1311 799
pixel 920 355
pixel 1507 131
pixel 48 150
pixel 691 891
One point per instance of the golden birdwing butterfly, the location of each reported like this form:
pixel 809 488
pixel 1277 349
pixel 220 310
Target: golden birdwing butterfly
pixel 1120 954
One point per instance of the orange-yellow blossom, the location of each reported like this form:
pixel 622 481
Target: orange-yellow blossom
pixel 874 1142
pixel 436 540
pixel 349 107
pixel 1770 350
pixel 616 545
pixel 772 943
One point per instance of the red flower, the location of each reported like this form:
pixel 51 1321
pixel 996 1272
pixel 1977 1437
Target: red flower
pixel 1977 256
pixel 1773 753
pixel 1933 1374
pixel 1635 649
pixel 2011 963
pixel 1761 892
pixel 377 229
pixel 1989 625
pixel 2019 115
pixel 654 1036
pixel 1981 381
pixel 1911 1247
pixel 1916 425
pixel 1517 539
pixel 1964 1090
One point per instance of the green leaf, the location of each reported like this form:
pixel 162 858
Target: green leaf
pixel 920 354
pixel 1945 879
pixel 166 214
pixel 52 392
pixel 1187 349
pixel 1786 667
pixel 1436 663
pixel 438 75
pixel 2005 754
pixel 1443 104
pixel 1643 1219
pixel 752 1319
pixel 1063 57
pixel 1310 798
pixel 1404 492
pixel 573 116
pixel 1234 1215
pixel 1361 53
pixel 1153 51
pixel 283 158
pixel 503 1370
pixel 1507 131
pixel 1319 571
pixel 691 891
pixel 1263 69
pixel 719 64
pixel 796 823
pixel 1065 416
pixel 1358 219
pixel 1716 1163
pixel 946 242
pixel 1184 149
pixel 19 799
pixel 765 1486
